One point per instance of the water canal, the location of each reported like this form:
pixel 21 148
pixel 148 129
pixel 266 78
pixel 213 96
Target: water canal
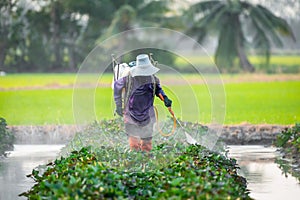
pixel 265 179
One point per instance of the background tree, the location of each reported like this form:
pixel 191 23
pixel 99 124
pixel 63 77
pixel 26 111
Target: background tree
pixel 94 16
pixel 6 138
pixel 11 32
pixel 50 35
pixel 239 25
pixel 141 13
pixel 38 42
pixel 55 33
pixel 137 13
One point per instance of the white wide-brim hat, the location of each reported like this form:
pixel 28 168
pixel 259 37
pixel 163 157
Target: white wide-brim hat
pixel 143 66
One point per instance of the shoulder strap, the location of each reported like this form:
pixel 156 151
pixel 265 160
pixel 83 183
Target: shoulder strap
pixel 154 84
pixel 128 88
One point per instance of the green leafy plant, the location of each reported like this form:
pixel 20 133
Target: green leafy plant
pixel 289 143
pixel 197 173
pixel 290 138
pixel 6 137
pixel 92 168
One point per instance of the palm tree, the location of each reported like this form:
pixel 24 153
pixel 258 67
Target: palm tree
pixel 140 13
pixel 238 25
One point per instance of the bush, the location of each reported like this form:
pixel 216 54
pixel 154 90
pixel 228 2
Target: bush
pixel 6 138
pixel 289 143
pixel 290 138
pixel 196 174
pixel 102 171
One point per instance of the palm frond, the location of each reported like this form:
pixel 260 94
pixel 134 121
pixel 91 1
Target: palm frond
pixel 173 22
pixel 265 23
pixel 153 13
pixel 200 9
pixel 279 24
pixel 226 51
pixel 261 42
pixel 153 9
pixel 214 18
pixel 122 21
pixel 205 6
pixel 199 32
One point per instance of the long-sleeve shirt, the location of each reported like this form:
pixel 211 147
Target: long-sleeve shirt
pixel 139 102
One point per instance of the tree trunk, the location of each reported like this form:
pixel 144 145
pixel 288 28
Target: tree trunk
pixel 56 34
pixel 3 49
pixel 244 62
pixel 72 61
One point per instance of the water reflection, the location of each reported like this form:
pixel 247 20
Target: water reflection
pixel 19 163
pixel 265 179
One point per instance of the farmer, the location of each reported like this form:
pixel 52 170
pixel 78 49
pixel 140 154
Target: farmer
pixel 141 85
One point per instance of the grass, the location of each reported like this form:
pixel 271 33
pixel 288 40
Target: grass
pixel 40 107
pixel 271 102
pixel 284 60
pixel 36 106
pixel 36 81
pixel 255 103
pixel 278 64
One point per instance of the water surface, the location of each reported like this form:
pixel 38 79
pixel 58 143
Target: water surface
pixel 20 162
pixel 265 179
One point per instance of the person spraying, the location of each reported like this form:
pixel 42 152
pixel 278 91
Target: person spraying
pixel 141 86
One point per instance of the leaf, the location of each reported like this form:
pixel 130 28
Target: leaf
pixel 177 181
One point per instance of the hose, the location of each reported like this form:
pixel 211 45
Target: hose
pixel 174 120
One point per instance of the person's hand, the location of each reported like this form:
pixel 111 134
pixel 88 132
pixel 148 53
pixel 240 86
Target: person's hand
pixel 167 101
pixel 119 111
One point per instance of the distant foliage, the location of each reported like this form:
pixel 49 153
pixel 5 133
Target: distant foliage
pixel 6 137
pixel 56 36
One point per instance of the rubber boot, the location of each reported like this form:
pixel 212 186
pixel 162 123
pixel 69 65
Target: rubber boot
pixel 146 145
pixel 134 143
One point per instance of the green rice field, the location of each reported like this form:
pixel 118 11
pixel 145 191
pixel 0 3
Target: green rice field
pixel 39 99
pixel 285 60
